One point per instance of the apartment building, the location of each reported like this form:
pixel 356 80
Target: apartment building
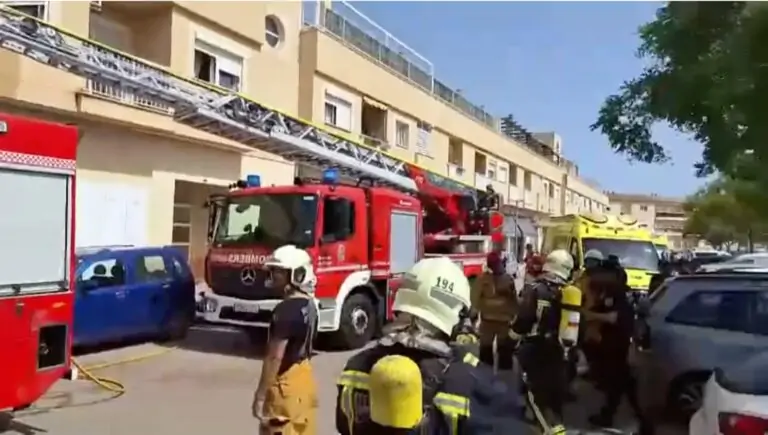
pixel 663 215
pixel 143 178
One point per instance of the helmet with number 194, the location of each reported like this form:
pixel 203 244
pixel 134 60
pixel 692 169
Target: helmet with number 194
pixel 434 290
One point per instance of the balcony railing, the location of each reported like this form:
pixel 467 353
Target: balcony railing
pixel 117 94
pixel 359 31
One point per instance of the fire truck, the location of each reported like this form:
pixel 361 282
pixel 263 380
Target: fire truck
pixel 37 184
pixel 362 236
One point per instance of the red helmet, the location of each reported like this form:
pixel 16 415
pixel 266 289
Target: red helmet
pixel 494 261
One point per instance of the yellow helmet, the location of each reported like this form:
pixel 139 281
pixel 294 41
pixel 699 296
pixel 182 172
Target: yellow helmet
pixel 559 263
pixel 435 290
pixel 396 390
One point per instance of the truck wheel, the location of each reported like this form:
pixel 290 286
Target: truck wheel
pixel 358 322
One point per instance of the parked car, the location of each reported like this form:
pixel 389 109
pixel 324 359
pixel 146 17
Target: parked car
pixel 125 292
pixel 743 261
pixel 692 324
pixel 735 400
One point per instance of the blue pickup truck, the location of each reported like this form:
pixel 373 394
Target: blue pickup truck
pixel 127 292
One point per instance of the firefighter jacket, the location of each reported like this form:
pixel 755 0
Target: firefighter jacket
pixel 460 395
pixel 494 297
pixel 540 309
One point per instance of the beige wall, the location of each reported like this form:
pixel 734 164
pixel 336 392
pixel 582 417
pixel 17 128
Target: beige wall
pixel 330 66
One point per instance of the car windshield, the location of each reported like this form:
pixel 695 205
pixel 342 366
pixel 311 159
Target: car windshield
pixel 633 254
pixel 267 220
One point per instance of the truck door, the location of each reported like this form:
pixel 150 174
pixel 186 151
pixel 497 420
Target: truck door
pixel 100 302
pixel 343 247
pixel 149 301
pixel 214 205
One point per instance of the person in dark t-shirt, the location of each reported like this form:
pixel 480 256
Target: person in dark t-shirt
pixel 285 401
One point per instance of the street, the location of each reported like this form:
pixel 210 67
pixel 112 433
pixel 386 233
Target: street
pixel 201 387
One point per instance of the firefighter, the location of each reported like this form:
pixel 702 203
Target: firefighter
pixel 285 401
pixel 414 380
pixel 533 267
pixel 541 353
pixel 495 300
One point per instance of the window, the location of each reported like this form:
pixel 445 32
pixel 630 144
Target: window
pixel 551 188
pixel 401 134
pixel 338 113
pixel 151 268
pixel 338 219
pixel 274 31
pixel 513 175
pixel 503 174
pixel 643 208
pixel 180 268
pixel 491 170
pixel 102 273
pixel 36 9
pixel 216 66
pixel 527 182
pixel 714 309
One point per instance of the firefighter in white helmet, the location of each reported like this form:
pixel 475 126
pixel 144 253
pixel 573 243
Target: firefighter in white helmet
pixel 415 378
pixel 285 401
pixel 544 323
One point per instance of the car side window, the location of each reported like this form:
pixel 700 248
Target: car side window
pixel 338 219
pixel 760 315
pixel 179 268
pixel 109 272
pixel 713 309
pixel 151 268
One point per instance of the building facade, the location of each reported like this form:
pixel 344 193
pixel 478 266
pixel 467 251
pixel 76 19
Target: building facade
pixel 144 179
pixel 665 216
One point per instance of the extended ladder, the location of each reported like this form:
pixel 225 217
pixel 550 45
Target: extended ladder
pixel 209 108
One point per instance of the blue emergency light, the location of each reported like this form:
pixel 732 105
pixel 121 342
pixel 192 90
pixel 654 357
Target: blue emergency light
pixel 331 176
pixel 253 181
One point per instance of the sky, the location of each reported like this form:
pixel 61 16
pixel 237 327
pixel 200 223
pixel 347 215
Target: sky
pixel 551 64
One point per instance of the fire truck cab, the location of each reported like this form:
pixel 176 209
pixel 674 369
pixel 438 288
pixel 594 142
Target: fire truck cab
pixel 361 237
pixel 37 182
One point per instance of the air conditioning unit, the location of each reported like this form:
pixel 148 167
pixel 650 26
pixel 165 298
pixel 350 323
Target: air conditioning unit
pixel 96 6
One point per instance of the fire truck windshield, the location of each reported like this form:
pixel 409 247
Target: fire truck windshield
pixel 268 220
pixel 36 232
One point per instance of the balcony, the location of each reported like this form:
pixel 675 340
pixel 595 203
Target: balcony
pixel 357 30
pixel 455 171
pixel 139 29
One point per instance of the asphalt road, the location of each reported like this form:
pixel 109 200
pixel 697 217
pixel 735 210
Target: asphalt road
pixel 201 387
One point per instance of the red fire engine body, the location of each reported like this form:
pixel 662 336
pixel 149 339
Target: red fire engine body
pixel 37 185
pixel 362 239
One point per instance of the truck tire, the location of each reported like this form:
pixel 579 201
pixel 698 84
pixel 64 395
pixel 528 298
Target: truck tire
pixel 358 322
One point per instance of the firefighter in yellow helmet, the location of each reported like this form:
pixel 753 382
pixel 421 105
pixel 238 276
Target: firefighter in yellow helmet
pixel 415 380
pixel 285 401
pixel 541 353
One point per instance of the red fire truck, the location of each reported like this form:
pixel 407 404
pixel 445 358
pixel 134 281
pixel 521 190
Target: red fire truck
pixel 37 185
pixel 362 238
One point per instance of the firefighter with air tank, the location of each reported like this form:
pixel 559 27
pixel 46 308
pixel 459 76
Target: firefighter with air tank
pixel 546 327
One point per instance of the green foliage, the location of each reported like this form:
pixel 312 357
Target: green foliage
pixel 706 75
pixel 724 212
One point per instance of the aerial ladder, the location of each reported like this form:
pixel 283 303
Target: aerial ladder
pixel 453 209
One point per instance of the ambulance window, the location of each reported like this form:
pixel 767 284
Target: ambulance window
pixel 575 252
pixel 338 219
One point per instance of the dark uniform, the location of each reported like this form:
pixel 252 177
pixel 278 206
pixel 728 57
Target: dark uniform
pixel 495 299
pixel 460 396
pixel 541 355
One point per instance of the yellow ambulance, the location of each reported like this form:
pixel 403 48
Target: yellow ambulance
pixel 611 235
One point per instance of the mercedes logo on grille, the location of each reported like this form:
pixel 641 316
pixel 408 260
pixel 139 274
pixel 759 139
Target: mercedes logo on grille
pixel 248 276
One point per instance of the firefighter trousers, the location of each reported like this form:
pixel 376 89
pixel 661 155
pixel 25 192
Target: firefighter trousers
pixel 497 330
pixel 290 407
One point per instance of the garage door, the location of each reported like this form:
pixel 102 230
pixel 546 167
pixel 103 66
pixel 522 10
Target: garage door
pixel 111 214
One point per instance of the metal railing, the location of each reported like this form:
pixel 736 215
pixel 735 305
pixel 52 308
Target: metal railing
pixel 117 94
pixel 359 31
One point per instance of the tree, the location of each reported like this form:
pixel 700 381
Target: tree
pixel 723 212
pixel 707 75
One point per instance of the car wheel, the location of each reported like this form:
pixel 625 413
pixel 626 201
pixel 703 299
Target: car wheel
pixel 177 327
pixel 686 396
pixel 358 322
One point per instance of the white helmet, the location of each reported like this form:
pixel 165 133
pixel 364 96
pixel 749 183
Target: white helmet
pixel 435 290
pixel 298 262
pixel 559 263
pixel 593 254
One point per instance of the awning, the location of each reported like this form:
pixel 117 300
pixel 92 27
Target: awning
pixel 375 103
